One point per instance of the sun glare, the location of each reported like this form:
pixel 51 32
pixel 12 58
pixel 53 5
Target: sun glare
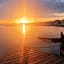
pixel 24 20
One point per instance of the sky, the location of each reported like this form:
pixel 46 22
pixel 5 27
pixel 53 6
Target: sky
pixel 39 9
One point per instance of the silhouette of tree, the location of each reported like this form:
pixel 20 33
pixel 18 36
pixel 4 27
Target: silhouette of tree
pixel 58 21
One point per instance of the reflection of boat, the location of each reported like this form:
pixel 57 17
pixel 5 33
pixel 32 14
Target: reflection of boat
pixel 56 40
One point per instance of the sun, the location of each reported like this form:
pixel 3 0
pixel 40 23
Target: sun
pixel 24 20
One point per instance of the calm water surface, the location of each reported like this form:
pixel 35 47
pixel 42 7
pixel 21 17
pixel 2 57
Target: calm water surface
pixel 13 38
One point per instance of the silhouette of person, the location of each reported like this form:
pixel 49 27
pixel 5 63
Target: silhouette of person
pixel 62 44
pixel 62 40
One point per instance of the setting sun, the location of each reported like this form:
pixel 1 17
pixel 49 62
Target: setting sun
pixel 24 20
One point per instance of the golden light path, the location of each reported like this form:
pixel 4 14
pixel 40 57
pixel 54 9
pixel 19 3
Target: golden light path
pixel 24 29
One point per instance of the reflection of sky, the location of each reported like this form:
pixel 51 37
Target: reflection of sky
pixel 12 9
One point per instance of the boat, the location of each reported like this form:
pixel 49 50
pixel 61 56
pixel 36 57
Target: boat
pixel 56 40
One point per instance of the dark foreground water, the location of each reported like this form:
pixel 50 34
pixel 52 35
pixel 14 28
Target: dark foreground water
pixel 31 56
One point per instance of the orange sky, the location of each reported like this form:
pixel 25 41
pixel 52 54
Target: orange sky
pixel 39 10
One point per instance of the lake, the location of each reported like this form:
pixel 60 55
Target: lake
pixel 14 38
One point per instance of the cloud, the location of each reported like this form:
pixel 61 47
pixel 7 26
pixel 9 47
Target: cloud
pixel 55 5
pixel 59 14
pixel 42 8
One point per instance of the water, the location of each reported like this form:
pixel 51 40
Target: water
pixel 13 38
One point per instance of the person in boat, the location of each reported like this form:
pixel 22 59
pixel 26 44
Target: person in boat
pixel 62 40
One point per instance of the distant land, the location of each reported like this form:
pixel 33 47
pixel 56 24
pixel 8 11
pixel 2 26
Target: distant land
pixel 59 23
pixel 51 23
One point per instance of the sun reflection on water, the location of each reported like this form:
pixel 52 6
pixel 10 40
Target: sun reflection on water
pixel 24 29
